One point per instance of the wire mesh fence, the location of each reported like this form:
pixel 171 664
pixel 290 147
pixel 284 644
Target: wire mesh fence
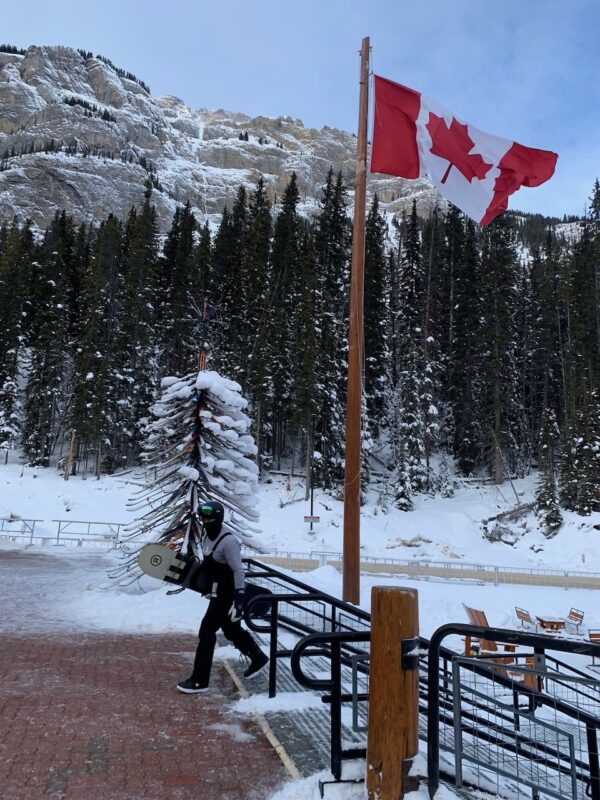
pixel 515 722
pixel 525 738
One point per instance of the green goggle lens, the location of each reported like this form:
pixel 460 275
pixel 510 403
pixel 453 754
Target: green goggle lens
pixel 207 511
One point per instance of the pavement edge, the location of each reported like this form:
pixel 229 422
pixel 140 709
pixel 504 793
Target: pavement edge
pixel 265 727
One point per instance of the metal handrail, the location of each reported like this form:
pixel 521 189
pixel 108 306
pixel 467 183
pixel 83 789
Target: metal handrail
pixel 539 643
pixel 307 594
pixel 273 626
pixel 268 571
pixel 337 644
pixel 333 641
pixel 340 637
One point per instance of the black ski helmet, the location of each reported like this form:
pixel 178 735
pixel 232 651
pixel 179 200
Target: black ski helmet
pixel 211 511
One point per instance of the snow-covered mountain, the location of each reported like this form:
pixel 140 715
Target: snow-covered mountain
pixel 79 134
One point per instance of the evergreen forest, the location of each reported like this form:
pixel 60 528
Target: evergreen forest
pixel 481 348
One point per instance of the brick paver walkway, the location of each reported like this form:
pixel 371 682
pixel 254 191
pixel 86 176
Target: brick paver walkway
pixel 95 716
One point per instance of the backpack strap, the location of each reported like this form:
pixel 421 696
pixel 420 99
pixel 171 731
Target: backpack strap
pixel 218 542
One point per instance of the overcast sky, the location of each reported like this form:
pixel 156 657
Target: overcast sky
pixel 528 70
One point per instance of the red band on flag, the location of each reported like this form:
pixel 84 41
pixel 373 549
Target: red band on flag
pixel 520 166
pixel 395 149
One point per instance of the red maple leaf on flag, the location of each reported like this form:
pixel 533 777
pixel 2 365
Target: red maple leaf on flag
pixel 453 143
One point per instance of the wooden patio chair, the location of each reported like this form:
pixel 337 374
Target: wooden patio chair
pixel 478 617
pixel 593 636
pixel 502 665
pixel 575 618
pixel 525 618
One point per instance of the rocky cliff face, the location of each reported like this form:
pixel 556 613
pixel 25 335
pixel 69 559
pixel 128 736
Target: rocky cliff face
pixel 76 134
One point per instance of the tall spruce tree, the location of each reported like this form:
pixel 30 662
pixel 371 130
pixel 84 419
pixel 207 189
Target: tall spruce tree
pixel 305 392
pixel 545 373
pixel 409 431
pixel 94 409
pixel 256 359
pixel 435 326
pixel 15 312
pixel 179 286
pixel 376 299
pixel 332 245
pixel 48 387
pixel 500 407
pixel 285 257
pixel 546 499
pixel 135 366
pixel 230 333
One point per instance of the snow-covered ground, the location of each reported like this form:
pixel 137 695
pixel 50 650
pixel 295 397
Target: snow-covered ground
pixel 447 529
pixel 439 528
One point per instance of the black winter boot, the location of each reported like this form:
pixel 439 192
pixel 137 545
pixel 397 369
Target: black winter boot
pixel 258 661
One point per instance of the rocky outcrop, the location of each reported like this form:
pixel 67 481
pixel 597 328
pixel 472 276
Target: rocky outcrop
pixel 76 134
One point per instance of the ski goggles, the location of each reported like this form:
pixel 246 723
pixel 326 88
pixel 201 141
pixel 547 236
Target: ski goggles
pixel 206 512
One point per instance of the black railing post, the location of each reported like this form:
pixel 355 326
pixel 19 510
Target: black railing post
pixel 336 710
pixel 592 743
pixel 433 714
pixel 273 647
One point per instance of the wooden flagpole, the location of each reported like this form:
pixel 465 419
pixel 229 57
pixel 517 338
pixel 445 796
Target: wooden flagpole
pixel 351 569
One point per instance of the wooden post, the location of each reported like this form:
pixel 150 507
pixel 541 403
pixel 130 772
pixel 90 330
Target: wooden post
pixel 393 735
pixel 70 456
pixel 351 561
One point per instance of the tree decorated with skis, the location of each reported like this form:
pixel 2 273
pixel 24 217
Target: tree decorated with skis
pixel 197 449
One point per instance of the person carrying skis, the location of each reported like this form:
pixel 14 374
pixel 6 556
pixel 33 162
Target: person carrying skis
pixel 222 556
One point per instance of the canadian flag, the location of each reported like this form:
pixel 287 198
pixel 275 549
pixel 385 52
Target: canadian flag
pixel 416 137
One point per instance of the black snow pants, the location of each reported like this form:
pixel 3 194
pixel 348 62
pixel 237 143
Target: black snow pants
pixel 217 617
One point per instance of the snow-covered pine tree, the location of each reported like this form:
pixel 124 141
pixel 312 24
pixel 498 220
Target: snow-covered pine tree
pixel 306 326
pixel 15 266
pixel 402 490
pixel 198 448
pixel 285 255
pixel 463 340
pixel 48 391
pixel 375 312
pixel 256 382
pixel 588 452
pixel 501 405
pixel 411 428
pixel 94 409
pixel 434 325
pixel 177 296
pixel 203 261
pixel 229 328
pixel 136 349
pixel 524 445
pixel 594 207
pixel 567 469
pixel 581 292
pixel 545 373
pixel 332 247
pixel 546 500
pixel 366 445
pixel 405 414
